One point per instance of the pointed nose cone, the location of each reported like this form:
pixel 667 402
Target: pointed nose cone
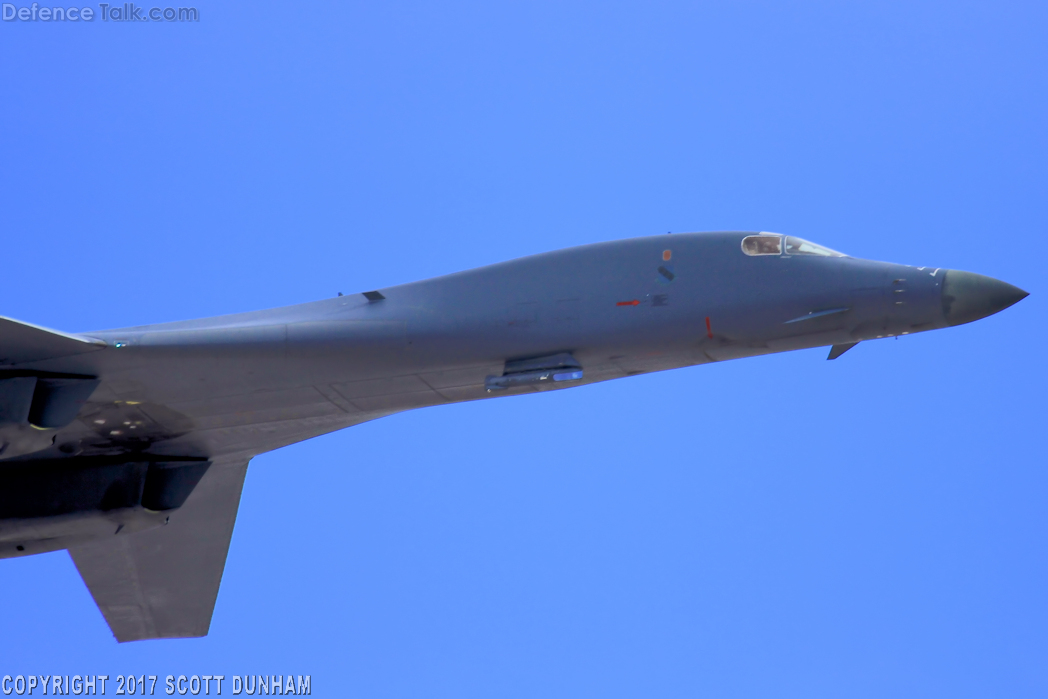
pixel 967 297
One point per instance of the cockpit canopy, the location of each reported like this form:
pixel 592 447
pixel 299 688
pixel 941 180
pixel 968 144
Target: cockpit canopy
pixel 772 244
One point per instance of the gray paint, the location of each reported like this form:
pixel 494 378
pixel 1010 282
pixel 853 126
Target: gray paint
pixel 228 388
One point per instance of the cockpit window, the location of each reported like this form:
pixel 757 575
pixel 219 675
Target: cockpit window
pixel 762 245
pixel 796 246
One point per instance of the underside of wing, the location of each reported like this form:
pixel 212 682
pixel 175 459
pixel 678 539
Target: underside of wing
pixel 24 342
pixel 163 582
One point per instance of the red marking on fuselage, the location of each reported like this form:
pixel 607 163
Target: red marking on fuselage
pixel 709 330
pixel 634 302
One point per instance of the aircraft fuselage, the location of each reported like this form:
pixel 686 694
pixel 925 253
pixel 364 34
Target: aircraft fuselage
pixel 109 432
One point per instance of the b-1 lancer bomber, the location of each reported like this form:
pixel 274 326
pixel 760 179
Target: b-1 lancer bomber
pixel 129 447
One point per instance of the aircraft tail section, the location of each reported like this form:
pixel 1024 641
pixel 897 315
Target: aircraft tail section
pixel 163 582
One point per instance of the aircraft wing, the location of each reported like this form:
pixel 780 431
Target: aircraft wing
pixel 163 582
pixel 24 342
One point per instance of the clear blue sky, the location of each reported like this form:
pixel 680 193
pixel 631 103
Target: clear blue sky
pixel 781 526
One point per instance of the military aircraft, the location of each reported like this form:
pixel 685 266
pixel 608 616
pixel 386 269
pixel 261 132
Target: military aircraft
pixel 129 447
